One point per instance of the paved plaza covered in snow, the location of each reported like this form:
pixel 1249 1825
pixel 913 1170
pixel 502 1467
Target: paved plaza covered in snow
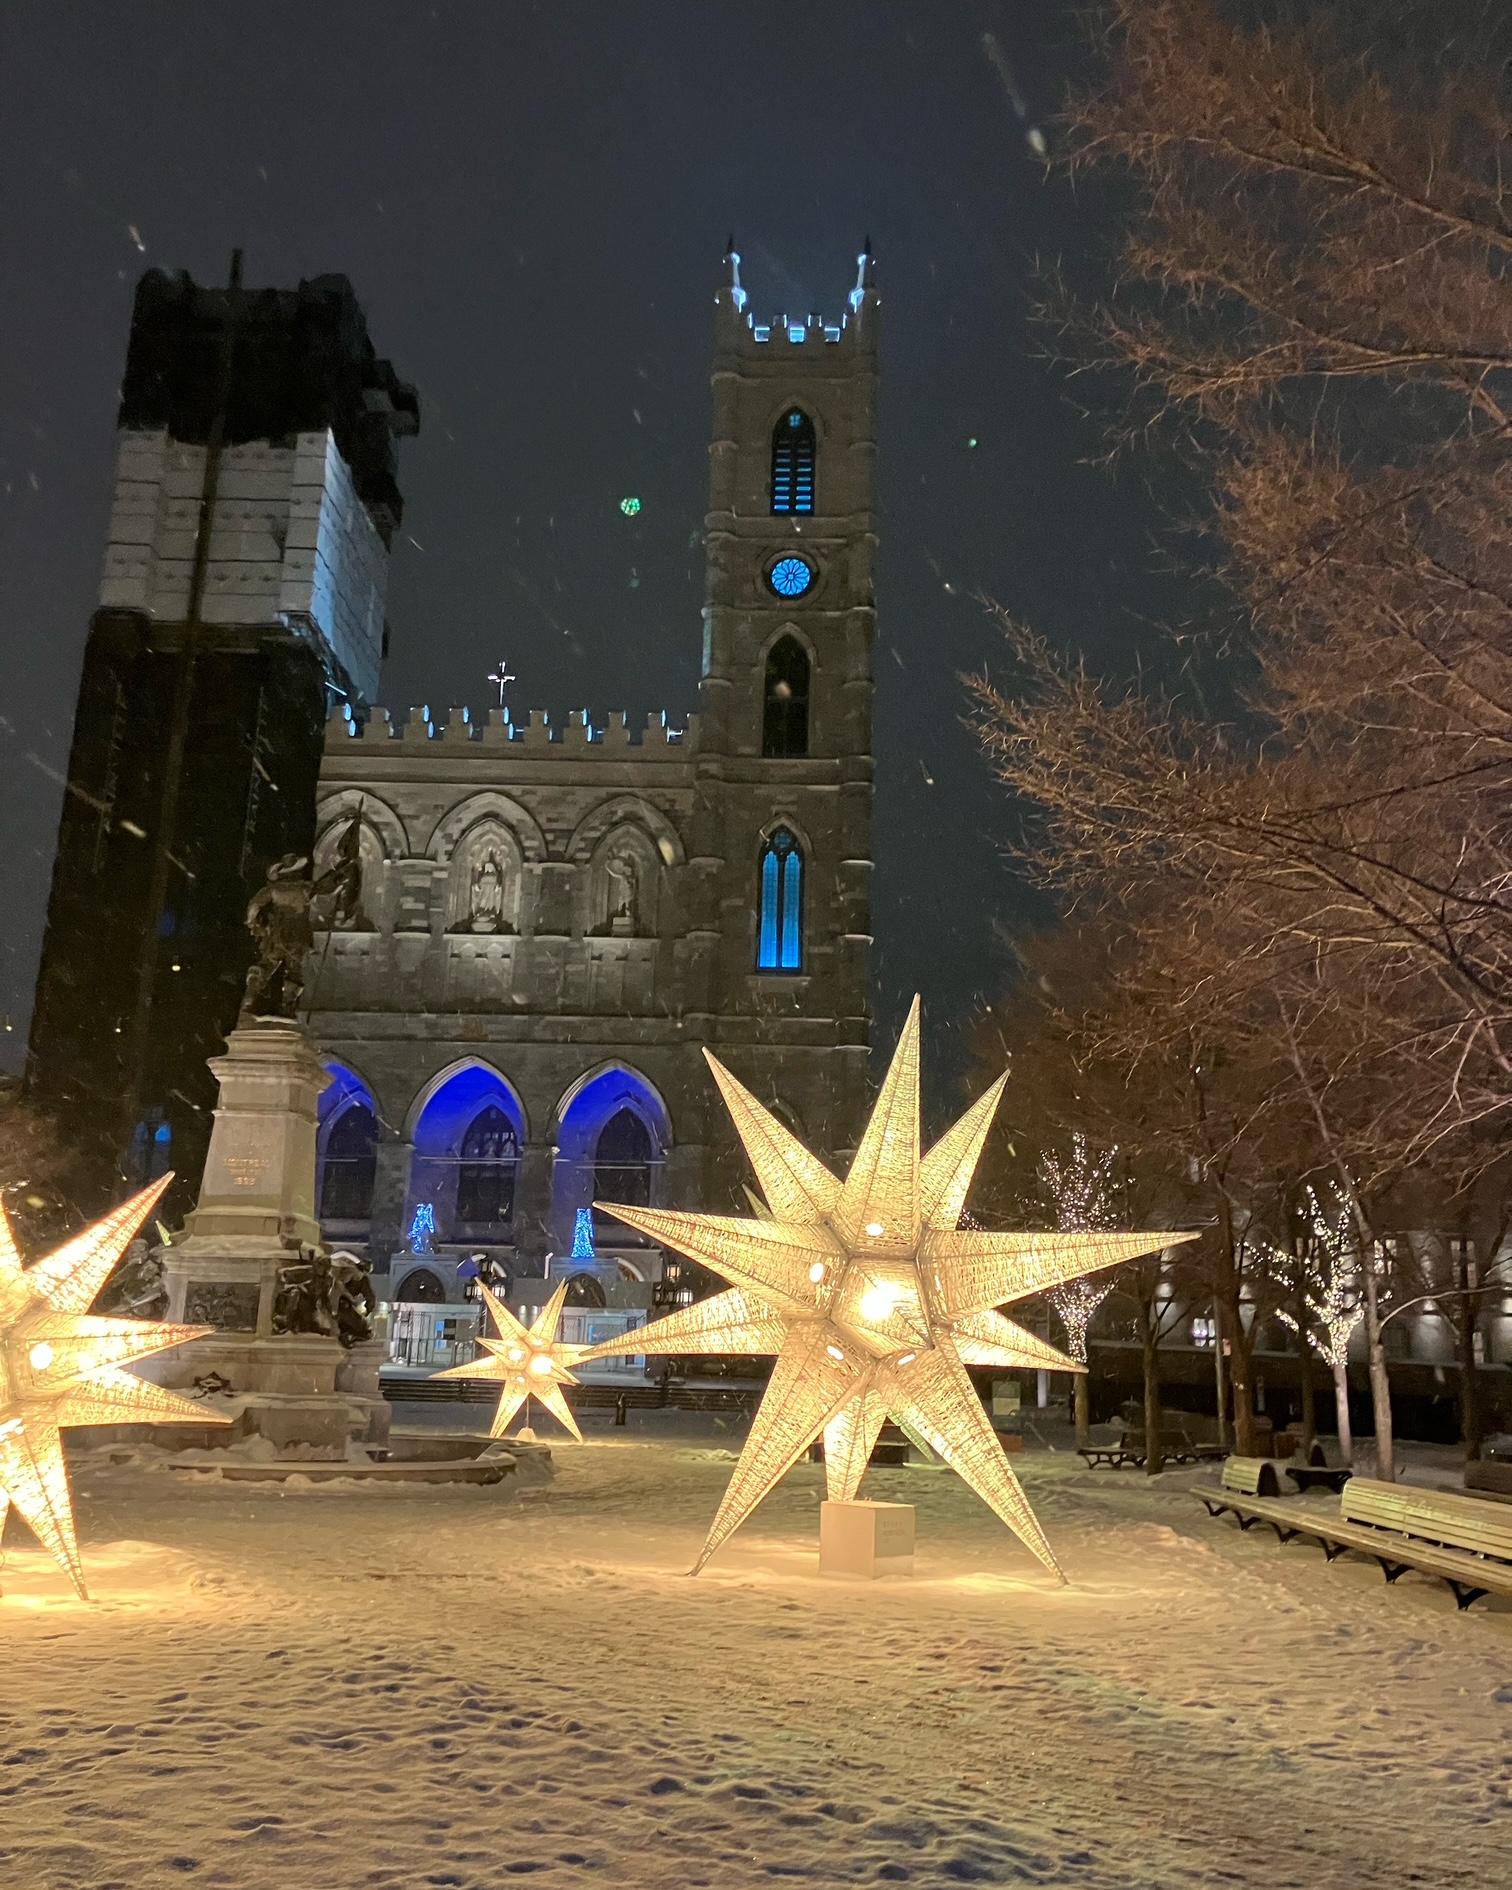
pixel 329 1689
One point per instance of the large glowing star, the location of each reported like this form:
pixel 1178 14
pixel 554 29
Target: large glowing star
pixel 872 1298
pixel 527 1364
pixel 60 1366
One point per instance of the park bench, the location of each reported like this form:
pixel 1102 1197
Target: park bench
pixel 1115 1456
pixel 1177 1445
pixel 1242 1476
pixel 1201 1442
pixel 1465 1542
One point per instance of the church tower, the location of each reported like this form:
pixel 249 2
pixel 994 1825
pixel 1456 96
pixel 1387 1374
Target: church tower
pixel 784 749
pixel 243 592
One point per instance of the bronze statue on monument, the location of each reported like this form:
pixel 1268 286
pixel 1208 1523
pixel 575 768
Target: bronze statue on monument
pixel 279 917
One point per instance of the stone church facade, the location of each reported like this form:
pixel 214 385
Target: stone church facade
pixel 556 918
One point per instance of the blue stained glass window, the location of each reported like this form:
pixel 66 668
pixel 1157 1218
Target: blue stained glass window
pixel 791 577
pixel 766 951
pixel 793 465
pixel 779 935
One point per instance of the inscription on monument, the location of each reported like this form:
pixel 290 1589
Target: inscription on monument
pixel 246 1170
pixel 247 1157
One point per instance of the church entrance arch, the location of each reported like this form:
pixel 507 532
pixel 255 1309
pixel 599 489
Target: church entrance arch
pixel 613 1134
pixel 347 1150
pixel 468 1135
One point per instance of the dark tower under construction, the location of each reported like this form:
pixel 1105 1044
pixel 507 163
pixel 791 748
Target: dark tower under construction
pixel 243 594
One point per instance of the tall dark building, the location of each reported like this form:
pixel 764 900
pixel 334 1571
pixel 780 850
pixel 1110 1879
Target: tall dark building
pixel 559 914
pixel 243 595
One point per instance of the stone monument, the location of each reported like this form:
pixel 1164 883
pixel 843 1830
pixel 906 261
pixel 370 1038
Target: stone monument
pixel 292 1340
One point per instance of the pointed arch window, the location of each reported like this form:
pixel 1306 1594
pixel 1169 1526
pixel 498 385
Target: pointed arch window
pixel 785 700
pixel 779 908
pixel 623 1158
pixel 350 1166
pixel 793 465
pixel 486 1176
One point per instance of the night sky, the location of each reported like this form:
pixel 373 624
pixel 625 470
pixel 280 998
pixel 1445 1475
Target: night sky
pixel 531 202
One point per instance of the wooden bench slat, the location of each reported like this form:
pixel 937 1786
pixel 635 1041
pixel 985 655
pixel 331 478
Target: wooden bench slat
pixel 1468 1573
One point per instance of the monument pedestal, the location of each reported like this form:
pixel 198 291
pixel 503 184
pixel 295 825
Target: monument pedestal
pixel 863 1541
pixel 256 1215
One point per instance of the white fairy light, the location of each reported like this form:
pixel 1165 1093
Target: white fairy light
pixel 1082 1190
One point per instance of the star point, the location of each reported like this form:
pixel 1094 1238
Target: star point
pixel 869 1298
pixel 62 1366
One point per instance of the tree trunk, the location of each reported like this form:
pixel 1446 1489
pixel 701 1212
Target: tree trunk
pixel 1304 1367
pixel 1154 1458
pixel 1341 1408
pixel 1220 1379
pixel 1466 1311
pixel 1380 1382
pixel 1231 1327
pixel 1082 1393
pixel 1241 1379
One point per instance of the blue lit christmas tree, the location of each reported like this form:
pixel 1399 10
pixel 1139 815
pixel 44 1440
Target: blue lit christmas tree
pixel 582 1236
pixel 422 1229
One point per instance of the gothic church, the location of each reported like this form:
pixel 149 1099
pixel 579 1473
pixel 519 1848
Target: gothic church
pixel 555 918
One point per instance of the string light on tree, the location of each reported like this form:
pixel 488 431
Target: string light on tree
pixel 1330 1299
pixel 525 1362
pixel 870 1296
pixel 422 1229
pixel 1083 1191
pixel 61 1366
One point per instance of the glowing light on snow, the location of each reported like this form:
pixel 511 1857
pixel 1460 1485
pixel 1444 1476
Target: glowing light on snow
pixel 630 505
pixel 801 1292
pixel 61 1366
pixel 525 1363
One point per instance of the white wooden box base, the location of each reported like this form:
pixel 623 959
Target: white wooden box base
pixel 865 1540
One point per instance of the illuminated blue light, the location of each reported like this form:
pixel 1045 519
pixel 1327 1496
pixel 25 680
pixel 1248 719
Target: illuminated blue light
pixel 791 577
pixel 796 331
pixel 422 1231
pixel 582 1235
pixel 779 936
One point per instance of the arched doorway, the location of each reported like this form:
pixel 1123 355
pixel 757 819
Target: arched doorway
pixel 349 1166
pixel 468 1136
pixel 612 1140
pixel 420 1287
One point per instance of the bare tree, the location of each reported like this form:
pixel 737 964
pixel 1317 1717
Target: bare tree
pixel 1314 290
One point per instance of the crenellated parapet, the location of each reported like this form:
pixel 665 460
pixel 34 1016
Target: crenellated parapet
pixel 576 733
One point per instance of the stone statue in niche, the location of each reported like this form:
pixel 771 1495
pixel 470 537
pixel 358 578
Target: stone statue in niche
pixel 283 932
pixel 623 871
pixel 485 894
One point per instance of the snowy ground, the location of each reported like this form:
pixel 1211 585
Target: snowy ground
pixel 329 1690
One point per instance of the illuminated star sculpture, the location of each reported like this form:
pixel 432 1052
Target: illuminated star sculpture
pixel 61 1366
pixel 526 1364
pixel 871 1297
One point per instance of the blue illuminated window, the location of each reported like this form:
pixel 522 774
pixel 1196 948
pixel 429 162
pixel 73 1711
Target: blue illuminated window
pixel 791 577
pixel 779 930
pixel 793 465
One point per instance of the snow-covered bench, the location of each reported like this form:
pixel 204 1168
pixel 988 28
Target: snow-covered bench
pixel 1464 1542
